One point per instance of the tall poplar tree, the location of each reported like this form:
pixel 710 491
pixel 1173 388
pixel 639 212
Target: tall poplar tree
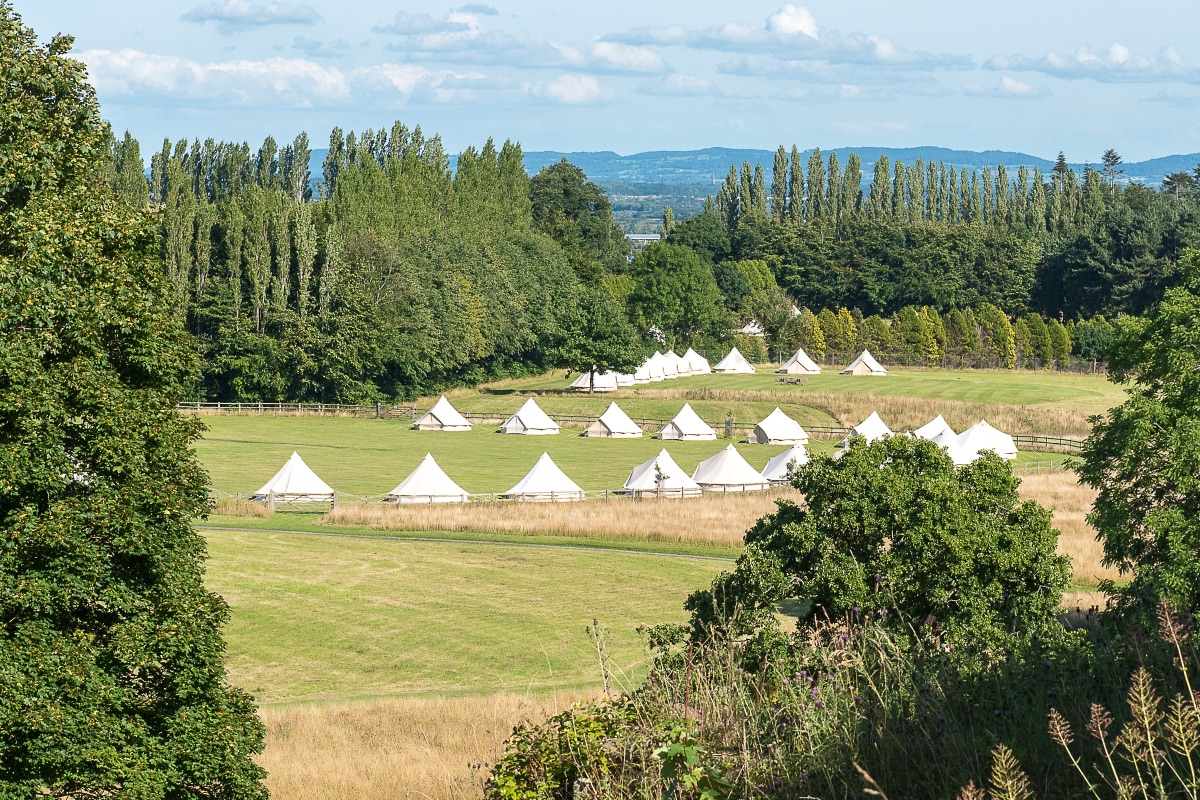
pixel 815 186
pixel 112 676
pixel 779 185
pixel 795 209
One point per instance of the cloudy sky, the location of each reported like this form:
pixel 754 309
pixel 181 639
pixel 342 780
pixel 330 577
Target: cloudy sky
pixel 626 75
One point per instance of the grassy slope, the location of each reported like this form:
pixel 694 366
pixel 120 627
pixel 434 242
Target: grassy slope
pixel 1091 393
pixel 326 618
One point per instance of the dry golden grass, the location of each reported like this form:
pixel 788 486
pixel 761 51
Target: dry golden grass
pixel 910 413
pixel 231 507
pixel 393 749
pixel 1071 502
pixel 712 520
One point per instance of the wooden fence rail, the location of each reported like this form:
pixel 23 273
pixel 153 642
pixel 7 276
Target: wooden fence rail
pixel 727 427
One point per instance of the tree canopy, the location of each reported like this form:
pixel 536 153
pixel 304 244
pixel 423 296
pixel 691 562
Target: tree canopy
pixel 112 680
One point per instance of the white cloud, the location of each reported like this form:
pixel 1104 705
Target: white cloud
pixel 235 15
pixel 461 37
pixel 678 85
pixel 574 90
pixel 792 33
pixel 1115 64
pixel 272 82
pixel 791 20
pixel 1007 88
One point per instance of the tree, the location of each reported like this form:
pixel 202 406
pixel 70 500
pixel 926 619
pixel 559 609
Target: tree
pixel 733 285
pixel 1093 338
pixel 575 212
pixel 112 681
pixel 779 185
pixel 704 234
pixel 1112 168
pixel 1179 184
pixel 1060 342
pixel 675 291
pixel 1142 457
pixel 597 337
pixel 893 531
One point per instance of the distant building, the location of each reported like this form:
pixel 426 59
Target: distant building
pixel 638 242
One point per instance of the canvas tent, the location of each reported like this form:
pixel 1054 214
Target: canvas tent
pixel 778 428
pixel 697 364
pixel 668 369
pixel 865 364
pixel 427 484
pixel 727 471
pixel 614 424
pixel 982 436
pixel 734 364
pixel 871 428
pixel 687 426
pixel 545 483
pixel 799 364
pixel 651 371
pixel 682 368
pixel 778 468
pixel 625 379
pixel 661 477
pixel 949 442
pixel 530 420
pixel 295 482
pixel 933 428
pixel 595 381
pixel 442 417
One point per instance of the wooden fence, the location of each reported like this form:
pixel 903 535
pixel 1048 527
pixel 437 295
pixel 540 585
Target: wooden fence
pixel 728 428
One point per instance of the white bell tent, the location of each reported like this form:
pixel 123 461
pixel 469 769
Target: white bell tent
pixel 799 364
pixel 530 420
pixel 428 483
pixel 687 426
pixel 865 364
pixel 734 364
pixel 778 428
pixel 295 482
pixel 778 469
pixel 727 471
pixel 614 424
pixel 545 483
pixel 661 477
pixel 442 417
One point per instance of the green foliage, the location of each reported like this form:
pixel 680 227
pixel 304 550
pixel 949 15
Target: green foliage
pixel 805 330
pixel 894 529
pixel 704 234
pixel 914 338
pixel 1093 338
pixel 675 291
pixel 1144 456
pixel 734 286
pixel 576 214
pixel 112 677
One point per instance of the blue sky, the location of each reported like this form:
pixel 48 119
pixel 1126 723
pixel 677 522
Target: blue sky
pixel 632 76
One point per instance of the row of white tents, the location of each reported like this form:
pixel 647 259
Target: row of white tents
pixel 727 471
pixel 614 423
pixel 663 367
pixel 963 448
pixel 668 365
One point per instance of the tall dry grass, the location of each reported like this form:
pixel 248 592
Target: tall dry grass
pixel 711 520
pixel 394 749
pixel 910 413
pixel 1071 502
pixel 231 507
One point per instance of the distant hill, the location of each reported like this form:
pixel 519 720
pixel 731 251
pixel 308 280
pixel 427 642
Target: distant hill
pixel 711 164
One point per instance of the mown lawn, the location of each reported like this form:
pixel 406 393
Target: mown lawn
pixel 320 618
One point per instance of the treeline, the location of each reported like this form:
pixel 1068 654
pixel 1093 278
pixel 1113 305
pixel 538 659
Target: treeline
pixel 401 278
pixel 1060 245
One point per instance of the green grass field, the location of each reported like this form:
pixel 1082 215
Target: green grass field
pixel 1090 393
pixel 369 457
pixel 320 618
